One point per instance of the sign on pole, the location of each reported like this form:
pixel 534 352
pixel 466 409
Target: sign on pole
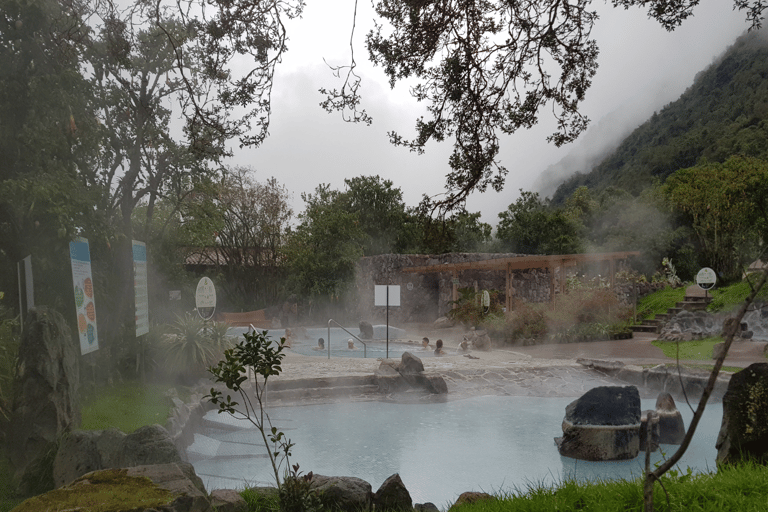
pixel 85 302
pixel 706 278
pixel 386 295
pixel 205 298
pixel 140 285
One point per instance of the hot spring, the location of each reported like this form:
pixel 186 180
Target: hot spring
pixel 486 443
pixel 376 348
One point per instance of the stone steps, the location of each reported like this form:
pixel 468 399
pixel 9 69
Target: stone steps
pixel 689 303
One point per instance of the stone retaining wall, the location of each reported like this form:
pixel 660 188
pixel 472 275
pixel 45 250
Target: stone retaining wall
pixel 424 297
pixel 663 378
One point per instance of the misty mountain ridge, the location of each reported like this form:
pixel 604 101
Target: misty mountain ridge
pixel 723 113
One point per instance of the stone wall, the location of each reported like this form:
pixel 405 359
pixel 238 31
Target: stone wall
pixel 426 296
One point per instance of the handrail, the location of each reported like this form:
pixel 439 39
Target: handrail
pixel 365 346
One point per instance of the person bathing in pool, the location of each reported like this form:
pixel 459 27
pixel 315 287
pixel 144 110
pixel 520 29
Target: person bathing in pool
pixel 425 344
pixel 439 348
pixel 320 344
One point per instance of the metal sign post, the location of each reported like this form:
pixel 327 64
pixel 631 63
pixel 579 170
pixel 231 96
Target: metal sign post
pixel 386 295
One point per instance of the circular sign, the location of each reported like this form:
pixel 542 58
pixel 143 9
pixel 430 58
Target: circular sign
pixel 205 298
pixel 409 286
pixel 706 278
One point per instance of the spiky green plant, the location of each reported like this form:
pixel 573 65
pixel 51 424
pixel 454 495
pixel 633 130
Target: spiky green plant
pixel 194 344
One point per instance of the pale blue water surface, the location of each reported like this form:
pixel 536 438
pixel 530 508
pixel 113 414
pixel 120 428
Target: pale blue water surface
pixel 488 443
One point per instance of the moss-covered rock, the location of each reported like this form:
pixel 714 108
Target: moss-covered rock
pixel 172 487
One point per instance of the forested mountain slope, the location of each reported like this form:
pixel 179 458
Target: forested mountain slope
pixel 724 113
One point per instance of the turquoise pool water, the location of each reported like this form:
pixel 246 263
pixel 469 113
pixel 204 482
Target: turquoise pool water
pixel 488 443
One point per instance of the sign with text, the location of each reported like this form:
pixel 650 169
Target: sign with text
pixel 706 278
pixel 205 298
pixel 85 301
pixel 140 285
pixel 380 295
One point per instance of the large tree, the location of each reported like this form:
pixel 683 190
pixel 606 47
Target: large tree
pixel 484 67
pixel 379 210
pixel 324 248
pixel 528 226
pixel 725 204
pixel 47 142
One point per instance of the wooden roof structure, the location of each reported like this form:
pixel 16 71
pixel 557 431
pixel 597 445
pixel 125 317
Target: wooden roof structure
pixel 510 264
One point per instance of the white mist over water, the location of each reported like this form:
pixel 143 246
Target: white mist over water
pixel 488 443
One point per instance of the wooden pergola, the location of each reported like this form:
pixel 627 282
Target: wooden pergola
pixel 509 264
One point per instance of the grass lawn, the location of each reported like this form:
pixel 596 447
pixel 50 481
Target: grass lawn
pixel 659 302
pixel 697 349
pixel 127 406
pixel 731 489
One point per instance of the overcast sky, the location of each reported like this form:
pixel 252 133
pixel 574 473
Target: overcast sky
pixel 642 68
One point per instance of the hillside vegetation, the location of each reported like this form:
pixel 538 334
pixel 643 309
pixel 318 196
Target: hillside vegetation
pixel 724 113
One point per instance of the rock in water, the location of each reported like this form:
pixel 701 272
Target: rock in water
pixel 744 430
pixel 604 424
pixel 366 331
pixel 671 425
pixel 46 405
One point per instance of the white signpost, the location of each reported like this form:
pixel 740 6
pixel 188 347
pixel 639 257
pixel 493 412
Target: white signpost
pixel 706 278
pixel 85 302
pixel 140 288
pixel 386 295
pixel 205 299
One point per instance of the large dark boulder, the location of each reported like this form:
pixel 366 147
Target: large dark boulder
pixel 393 496
pixel 606 405
pixel 343 493
pixel 150 444
pixel 366 331
pixel 410 364
pixel 744 430
pixel 83 451
pixel 46 402
pixel 604 424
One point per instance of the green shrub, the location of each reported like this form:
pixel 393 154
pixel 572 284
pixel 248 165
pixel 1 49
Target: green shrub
pixel 527 321
pixel 469 310
pixel 583 314
pixel 192 345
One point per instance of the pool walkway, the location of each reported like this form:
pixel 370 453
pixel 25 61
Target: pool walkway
pixel 538 370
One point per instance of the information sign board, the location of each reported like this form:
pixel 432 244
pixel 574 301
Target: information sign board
pixel 205 298
pixel 141 296
pixel 706 278
pixel 85 301
pixel 380 295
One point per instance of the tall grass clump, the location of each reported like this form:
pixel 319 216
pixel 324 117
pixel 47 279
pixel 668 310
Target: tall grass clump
pixel 731 489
